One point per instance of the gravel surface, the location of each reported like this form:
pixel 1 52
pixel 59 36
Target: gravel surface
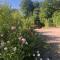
pixel 51 34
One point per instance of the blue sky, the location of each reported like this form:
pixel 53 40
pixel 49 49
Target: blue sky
pixel 14 3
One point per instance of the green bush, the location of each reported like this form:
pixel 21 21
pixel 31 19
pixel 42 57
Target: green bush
pixel 50 21
pixel 56 18
pixel 28 22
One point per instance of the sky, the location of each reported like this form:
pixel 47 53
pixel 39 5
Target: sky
pixel 14 3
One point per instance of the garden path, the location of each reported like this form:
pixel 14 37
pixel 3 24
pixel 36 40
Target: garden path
pixel 51 34
pixel 52 37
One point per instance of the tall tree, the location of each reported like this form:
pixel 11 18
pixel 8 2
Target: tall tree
pixel 36 4
pixel 26 7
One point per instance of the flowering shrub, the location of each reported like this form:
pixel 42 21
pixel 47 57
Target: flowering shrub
pixel 10 45
pixel 16 44
pixel 17 39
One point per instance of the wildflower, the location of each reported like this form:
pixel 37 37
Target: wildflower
pixel 2 43
pixel 8 42
pixel 22 40
pixel 2 35
pixel 13 27
pixel 26 43
pixel 0 54
pixel 38 54
pixel 5 48
pixel 37 51
pixel 14 49
pixel 33 54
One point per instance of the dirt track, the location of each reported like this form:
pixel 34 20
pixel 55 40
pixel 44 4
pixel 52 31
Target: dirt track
pixel 51 34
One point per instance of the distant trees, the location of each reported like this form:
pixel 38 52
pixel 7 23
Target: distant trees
pixel 54 3
pixel 36 4
pixel 26 7
pixel 44 10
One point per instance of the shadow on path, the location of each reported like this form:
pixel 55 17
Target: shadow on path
pixel 52 37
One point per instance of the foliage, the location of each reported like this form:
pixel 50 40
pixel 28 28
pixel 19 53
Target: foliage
pixel 26 7
pixel 56 18
pixel 12 27
pixel 28 23
pixel 46 12
pixel 36 4
pixel 54 3
pixel 4 15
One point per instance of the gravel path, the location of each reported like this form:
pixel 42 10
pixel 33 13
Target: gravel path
pixel 51 34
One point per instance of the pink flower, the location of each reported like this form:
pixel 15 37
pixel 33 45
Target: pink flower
pixel 22 40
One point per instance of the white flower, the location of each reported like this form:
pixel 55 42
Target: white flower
pixel 8 41
pixel 2 43
pixel 33 54
pixel 37 51
pixel 23 39
pixel 19 38
pixel 0 54
pixel 12 53
pixel 5 48
pixel 41 59
pixel 2 35
pixel 26 43
pixel 13 27
pixel 38 54
pixel 14 49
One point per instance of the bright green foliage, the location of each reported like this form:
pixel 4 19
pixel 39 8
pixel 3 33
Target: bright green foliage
pixel 56 18
pixel 43 16
pixel 4 15
pixel 43 13
pixel 46 12
pixel 28 23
